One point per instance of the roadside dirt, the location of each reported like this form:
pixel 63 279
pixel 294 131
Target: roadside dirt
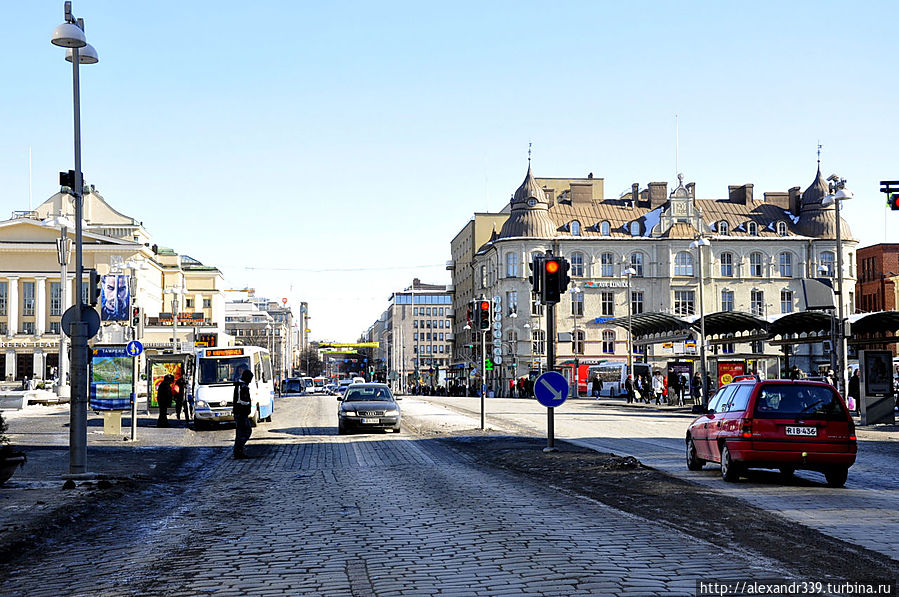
pixel 627 485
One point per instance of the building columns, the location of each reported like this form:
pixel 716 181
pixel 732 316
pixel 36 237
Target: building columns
pixel 40 307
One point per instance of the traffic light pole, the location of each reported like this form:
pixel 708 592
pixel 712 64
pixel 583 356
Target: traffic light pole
pixel 483 375
pixel 550 366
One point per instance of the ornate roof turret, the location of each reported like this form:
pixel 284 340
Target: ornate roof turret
pixel 529 212
pixel 817 190
pixel 529 189
pixel 816 219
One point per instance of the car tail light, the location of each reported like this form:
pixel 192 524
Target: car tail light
pixel 746 428
pixel 852 430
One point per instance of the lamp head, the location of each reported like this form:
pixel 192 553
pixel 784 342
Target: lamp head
pixel 68 35
pixel 86 55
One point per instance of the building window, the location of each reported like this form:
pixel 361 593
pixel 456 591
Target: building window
pixel 786 301
pixel 608 342
pixel 4 298
pixel 575 228
pixel 512 301
pixel 605 229
pixel 536 308
pixel 483 276
pixel 755 265
pixel 189 303
pixel 606 261
pixel 28 298
pixel 637 264
pixel 577 265
pixel 757 303
pixel 683 264
pixel 684 302
pixel 511 265
pixel 636 301
pixel 415 336
pixel 728 348
pixel 55 298
pixel 207 303
pixel 727 300
pixel 577 304
pixel 28 327
pixel 781 228
pixel 828 263
pixel 752 228
pixel 723 228
pixel 577 342
pixel 607 303
pixel 538 341
pixel 727 265
pixel 415 324
pixel 786 265
pixel 54 327
pixel 635 228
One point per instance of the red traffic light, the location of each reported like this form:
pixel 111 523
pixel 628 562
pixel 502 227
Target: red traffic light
pixel 485 306
pixel 552 266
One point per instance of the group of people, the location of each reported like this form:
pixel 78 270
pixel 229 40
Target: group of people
pixel 642 388
pixel 170 391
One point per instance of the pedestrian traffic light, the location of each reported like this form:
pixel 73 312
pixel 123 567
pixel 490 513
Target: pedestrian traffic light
pixel 893 201
pixel 93 288
pixel 135 316
pixel 555 279
pixel 483 315
pixel 536 266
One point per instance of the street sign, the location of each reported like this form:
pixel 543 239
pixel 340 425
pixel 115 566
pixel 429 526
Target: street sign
pixel 497 350
pixel 134 348
pixel 551 389
pixel 498 360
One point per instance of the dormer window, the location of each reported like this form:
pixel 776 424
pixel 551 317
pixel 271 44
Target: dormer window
pixel 635 228
pixel 723 227
pixel 575 228
pixel 781 228
pixel 752 228
pixel 605 229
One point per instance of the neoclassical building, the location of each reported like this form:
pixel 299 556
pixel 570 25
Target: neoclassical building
pixel 760 249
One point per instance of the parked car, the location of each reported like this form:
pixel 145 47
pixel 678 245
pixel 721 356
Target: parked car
pixel 293 386
pixel 368 406
pixel 778 424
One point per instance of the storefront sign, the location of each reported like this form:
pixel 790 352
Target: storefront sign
pixel 606 284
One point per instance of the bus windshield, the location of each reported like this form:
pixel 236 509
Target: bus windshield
pixel 221 369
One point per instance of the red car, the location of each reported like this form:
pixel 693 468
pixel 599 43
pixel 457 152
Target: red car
pixel 780 424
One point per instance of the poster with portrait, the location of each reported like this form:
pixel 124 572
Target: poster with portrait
pixel 115 297
pixel 110 378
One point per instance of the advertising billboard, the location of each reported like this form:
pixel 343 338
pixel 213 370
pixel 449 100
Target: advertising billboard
pixel 115 297
pixel 110 377
pixel 728 370
pixel 159 367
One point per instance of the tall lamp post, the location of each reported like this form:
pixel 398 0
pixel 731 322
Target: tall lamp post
pixel 629 272
pixel 70 34
pixel 575 306
pixel 174 291
pixel 838 193
pixel 63 248
pixel 698 244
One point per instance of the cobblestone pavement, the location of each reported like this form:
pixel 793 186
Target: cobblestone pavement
pixel 320 514
pixel 865 512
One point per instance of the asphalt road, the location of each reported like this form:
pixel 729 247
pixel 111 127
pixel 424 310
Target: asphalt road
pixel 382 514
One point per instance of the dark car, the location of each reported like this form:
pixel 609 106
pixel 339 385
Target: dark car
pixel 368 406
pixel 293 386
pixel 781 424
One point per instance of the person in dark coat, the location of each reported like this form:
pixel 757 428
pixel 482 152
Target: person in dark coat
pixel 673 389
pixel 629 388
pixel 855 391
pixel 178 398
pixel 242 406
pixel 596 391
pixel 696 389
pixel 164 400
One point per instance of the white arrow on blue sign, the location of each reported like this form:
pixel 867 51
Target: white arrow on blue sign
pixel 134 348
pixel 551 389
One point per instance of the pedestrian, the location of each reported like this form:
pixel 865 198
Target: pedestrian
pixel 830 377
pixel 596 387
pixel 512 388
pixel 178 397
pixel 164 400
pixel 684 385
pixel 629 388
pixel 673 389
pixel 658 386
pixel 854 391
pixel 241 407
pixel 696 389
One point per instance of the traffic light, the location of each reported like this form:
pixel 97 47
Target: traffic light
pixel 93 288
pixel 536 266
pixel 483 317
pixel 893 201
pixel 135 316
pixel 555 279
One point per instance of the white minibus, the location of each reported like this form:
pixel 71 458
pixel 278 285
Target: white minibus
pixel 216 371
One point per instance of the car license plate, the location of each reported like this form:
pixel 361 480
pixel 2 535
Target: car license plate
pixel 370 421
pixel 805 431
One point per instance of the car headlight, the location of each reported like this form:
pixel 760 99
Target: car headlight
pixel 348 413
pixel 202 404
pixel 392 412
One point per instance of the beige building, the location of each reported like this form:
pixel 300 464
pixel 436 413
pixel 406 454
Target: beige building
pixel 761 248
pixel 33 299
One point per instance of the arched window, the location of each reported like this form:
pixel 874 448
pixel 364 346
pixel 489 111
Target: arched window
pixel 683 264
pixel 755 265
pixel 785 260
pixel 752 228
pixel 635 228
pixel 605 229
pixel 608 342
pixel 781 228
pixel 828 263
pixel 727 265
pixel 577 265
pixel 607 263
pixel 575 228
pixel 538 338
pixel 577 342
pixel 637 263
pixel 723 227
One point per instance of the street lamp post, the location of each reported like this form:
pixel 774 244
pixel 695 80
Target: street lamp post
pixel 629 272
pixel 838 193
pixel 70 35
pixel 703 389
pixel 174 291
pixel 63 247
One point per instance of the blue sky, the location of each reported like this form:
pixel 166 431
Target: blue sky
pixel 341 146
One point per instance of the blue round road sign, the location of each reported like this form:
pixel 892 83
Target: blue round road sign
pixel 551 389
pixel 134 348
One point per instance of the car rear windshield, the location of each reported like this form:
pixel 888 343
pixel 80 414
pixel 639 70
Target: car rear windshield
pixel 368 394
pixel 792 400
